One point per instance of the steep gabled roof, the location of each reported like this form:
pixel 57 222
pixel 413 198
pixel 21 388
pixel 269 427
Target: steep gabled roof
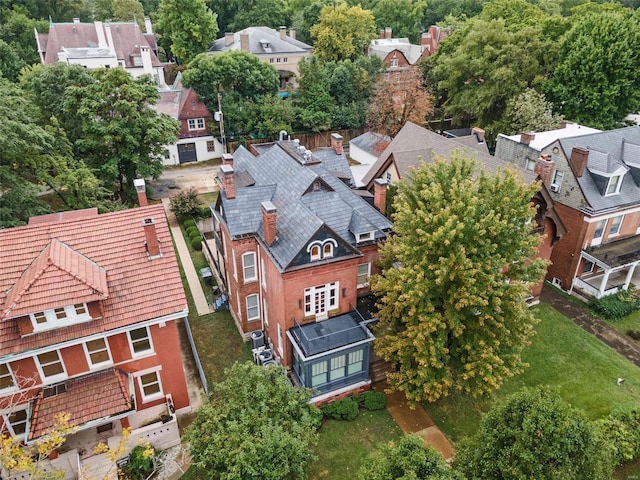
pixel 262 40
pixel 87 250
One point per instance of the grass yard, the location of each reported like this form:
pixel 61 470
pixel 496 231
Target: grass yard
pixel 582 369
pixel 344 444
pixel 630 322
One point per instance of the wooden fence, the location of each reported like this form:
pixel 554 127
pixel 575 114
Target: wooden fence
pixel 311 140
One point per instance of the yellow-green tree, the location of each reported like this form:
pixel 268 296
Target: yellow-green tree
pixel 342 32
pixel 455 278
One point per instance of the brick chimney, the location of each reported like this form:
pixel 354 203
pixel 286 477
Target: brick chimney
pixel 387 33
pixel 381 33
pixel 228 38
pixel 380 195
pixel 527 137
pixel 228 183
pixel 292 33
pixel 578 160
pixel 227 159
pixel 283 32
pixel 151 237
pixel 269 214
pixel 141 190
pixel 336 143
pixel 479 133
pixel 544 169
pixel 244 42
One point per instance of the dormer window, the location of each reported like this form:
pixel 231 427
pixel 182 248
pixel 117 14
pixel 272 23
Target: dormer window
pixel 327 250
pixel 60 317
pixel 195 124
pixel 364 237
pixel 319 250
pixel 613 187
pixel 315 252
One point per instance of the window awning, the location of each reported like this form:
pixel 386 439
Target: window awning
pixel 87 398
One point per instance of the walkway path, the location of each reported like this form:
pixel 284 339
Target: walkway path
pixel 415 421
pixel 202 306
pixel 583 318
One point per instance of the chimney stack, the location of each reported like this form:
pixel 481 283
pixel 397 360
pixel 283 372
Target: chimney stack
pixel 227 159
pixel 544 169
pixel 269 222
pixel 244 42
pixel 387 33
pixel 141 190
pixel 283 33
pixel 228 183
pixel 479 133
pixel 152 244
pixel 578 160
pixel 228 38
pixel 380 195
pixel 336 143
pixel 527 137
pixel 292 33
pixel 148 28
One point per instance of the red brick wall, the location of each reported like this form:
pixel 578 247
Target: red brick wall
pixel 567 251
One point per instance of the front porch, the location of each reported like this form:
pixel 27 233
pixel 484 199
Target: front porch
pixel 609 268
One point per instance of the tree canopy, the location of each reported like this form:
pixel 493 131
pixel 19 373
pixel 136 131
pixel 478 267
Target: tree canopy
pixel 455 278
pixel 529 111
pixel 254 425
pixel 404 17
pixel 534 435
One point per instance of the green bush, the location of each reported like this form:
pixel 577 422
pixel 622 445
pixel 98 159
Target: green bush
pixel 621 434
pixel 371 400
pixel 617 306
pixel 186 204
pixel 196 243
pixel 140 463
pixel 192 231
pixel 345 409
pixel 189 222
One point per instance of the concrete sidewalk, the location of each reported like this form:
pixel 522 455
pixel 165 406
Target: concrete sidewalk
pixel 416 421
pixel 202 306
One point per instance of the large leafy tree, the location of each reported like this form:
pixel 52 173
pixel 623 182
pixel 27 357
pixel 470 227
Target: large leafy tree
pixel 16 29
pixel 305 15
pixel 597 79
pixel 529 111
pixel 534 435
pixel 186 27
pixel 455 278
pixel 342 32
pixel 126 137
pixel 408 458
pixel 255 425
pixel 404 17
pixel 438 10
pixel 19 200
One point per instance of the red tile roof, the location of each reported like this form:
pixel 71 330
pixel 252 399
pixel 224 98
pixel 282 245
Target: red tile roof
pixel 87 398
pixel 139 288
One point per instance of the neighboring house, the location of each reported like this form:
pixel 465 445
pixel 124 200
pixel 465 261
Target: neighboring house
pixel 295 247
pixel 432 38
pixel 283 52
pixel 103 44
pixel 365 149
pixel 594 180
pixel 195 141
pixel 414 144
pixel 89 306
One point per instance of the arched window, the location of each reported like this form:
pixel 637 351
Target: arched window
pixel 315 252
pixel 327 250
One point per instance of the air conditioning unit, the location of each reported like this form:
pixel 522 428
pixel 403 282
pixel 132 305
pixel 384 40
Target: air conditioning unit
pixel 257 339
pixel 554 187
pixel 265 356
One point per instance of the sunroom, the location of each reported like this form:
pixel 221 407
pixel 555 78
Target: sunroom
pixel 331 356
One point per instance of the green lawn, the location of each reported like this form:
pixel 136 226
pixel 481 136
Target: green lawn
pixel 344 445
pixel 582 369
pixel 630 322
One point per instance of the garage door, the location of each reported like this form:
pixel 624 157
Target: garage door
pixel 187 152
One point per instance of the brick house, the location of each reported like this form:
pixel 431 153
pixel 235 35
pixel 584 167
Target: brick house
pixel 594 180
pixel 283 52
pixel 195 140
pixel 89 305
pixel 295 247
pixel 414 143
pixel 103 44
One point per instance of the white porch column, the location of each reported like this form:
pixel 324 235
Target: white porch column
pixel 627 280
pixel 603 283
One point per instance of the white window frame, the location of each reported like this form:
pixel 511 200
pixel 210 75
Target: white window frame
pixel 327 250
pixel 617 185
pixel 263 274
pixel 52 317
pixel 558 177
pixel 88 353
pixel 355 358
pixel 10 375
pixel 393 63
pixel 131 341
pixel 597 238
pixel 10 426
pixel 329 292
pixel 618 219
pixel 249 271
pixel 154 396
pixel 364 237
pixel 256 307
pixel 362 274
pixel 280 342
pixel 530 164
pixel 41 367
pixel 196 124
pixel 235 265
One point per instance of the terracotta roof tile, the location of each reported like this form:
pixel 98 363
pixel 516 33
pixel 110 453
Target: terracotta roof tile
pixel 86 398
pixel 139 288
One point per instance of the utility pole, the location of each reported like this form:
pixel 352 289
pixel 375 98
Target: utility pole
pixel 220 118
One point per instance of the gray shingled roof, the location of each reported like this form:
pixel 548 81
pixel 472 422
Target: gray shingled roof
pixel 370 142
pixel 307 198
pixel 616 144
pixel 258 35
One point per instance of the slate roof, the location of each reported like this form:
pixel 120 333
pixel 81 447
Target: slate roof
pixel 544 139
pixel 259 36
pixel 414 142
pixel 79 250
pixel 609 152
pixel 181 103
pixel 371 142
pixel 81 40
pixel 86 398
pixel 307 196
